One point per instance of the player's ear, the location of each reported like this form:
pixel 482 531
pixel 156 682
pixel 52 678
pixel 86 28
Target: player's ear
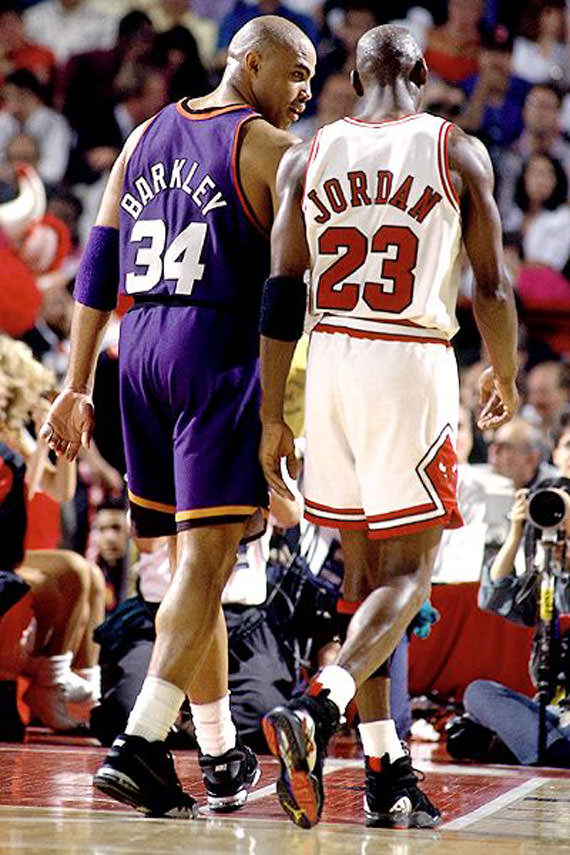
pixel 252 61
pixel 419 73
pixel 356 82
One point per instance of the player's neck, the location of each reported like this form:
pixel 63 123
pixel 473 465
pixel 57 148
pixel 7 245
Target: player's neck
pixel 386 104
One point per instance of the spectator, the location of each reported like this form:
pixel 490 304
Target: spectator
pixel 517 452
pixel 544 58
pixel 495 97
pixel 337 99
pixel 244 11
pixel 166 14
pixel 338 53
pixel 17 52
pixel 88 77
pixel 542 214
pixel 548 393
pixel 67 27
pixel 453 48
pixel 541 135
pixel 497 711
pixel 444 100
pixel 25 111
pixel 176 52
pixel 110 547
pixel 49 338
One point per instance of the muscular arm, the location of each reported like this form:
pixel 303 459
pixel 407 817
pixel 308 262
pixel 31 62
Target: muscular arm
pixel 493 301
pixel 69 422
pixel 289 257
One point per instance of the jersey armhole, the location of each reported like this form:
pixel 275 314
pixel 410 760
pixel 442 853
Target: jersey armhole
pixel 443 167
pixel 236 177
pixel 313 151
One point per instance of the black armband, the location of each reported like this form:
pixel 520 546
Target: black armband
pixel 283 305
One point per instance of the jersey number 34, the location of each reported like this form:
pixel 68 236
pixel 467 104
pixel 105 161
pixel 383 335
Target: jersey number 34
pixel 393 294
pixel 180 262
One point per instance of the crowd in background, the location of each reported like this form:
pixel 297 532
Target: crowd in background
pixel 76 76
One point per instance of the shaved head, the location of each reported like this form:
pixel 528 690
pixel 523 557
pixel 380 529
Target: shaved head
pixel 267 32
pixel 387 53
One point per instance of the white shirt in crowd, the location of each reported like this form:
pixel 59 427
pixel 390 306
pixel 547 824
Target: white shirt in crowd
pixel 69 31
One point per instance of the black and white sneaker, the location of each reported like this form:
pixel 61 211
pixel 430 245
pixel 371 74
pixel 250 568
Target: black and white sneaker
pixel 142 774
pixel 229 777
pixel 297 734
pixel 393 798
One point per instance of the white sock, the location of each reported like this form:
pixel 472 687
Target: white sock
pixel 92 673
pixel 379 738
pixel 155 710
pixel 215 730
pixel 340 684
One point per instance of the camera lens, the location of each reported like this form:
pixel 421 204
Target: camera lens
pixel 546 509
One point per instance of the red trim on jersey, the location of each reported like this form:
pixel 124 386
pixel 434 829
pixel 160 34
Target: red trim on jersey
pixel 330 522
pixel 450 518
pixel 443 166
pixel 370 334
pixel 248 211
pixel 354 121
pixel 446 164
pixel 319 507
pixel 313 151
pixel 406 512
pixel 200 115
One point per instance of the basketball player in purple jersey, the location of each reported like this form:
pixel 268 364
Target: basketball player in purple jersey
pixel 183 226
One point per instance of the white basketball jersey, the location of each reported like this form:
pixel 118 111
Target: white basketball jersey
pixel 383 227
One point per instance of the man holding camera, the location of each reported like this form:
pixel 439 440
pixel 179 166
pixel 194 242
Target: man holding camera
pixel 498 717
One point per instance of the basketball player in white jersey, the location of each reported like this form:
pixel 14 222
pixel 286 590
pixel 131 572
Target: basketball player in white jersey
pixel 377 208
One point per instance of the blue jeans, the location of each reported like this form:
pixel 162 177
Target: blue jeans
pixel 514 718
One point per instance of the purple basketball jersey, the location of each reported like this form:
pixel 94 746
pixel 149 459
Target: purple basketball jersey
pixel 183 230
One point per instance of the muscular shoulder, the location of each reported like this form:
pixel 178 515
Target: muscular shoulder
pixel 469 161
pixel 262 147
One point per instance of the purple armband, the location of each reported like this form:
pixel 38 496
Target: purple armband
pixel 97 280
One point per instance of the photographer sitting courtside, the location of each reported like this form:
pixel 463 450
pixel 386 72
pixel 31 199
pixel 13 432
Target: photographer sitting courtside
pixel 501 725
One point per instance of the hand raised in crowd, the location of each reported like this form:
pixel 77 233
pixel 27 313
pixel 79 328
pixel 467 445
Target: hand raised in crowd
pixel 518 514
pixel 498 398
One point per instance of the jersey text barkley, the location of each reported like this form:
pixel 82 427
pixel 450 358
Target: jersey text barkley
pixel 335 196
pixel 178 175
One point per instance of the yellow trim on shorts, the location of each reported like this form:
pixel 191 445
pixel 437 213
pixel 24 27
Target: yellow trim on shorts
pixel 221 511
pixel 150 505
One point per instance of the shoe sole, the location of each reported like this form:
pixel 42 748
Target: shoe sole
pixel 420 819
pixel 297 789
pixel 122 789
pixel 227 804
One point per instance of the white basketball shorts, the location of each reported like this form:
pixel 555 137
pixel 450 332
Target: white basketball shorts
pixel 381 420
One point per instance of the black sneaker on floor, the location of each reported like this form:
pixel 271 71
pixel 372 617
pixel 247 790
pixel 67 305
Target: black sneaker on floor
pixel 142 774
pixel 393 798
pixel 229 777
pixel 297 734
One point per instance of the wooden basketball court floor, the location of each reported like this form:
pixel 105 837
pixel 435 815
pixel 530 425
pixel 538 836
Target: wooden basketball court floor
pixel 48 807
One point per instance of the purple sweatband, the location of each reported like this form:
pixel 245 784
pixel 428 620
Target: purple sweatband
pixel 97 280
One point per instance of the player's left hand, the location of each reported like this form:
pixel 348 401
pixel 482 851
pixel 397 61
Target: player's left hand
pixel 277 441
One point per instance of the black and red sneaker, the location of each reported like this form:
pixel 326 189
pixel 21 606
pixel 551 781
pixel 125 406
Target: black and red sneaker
pixel 229 777
pixel 297 734
pixel 142 774
pixel 393 798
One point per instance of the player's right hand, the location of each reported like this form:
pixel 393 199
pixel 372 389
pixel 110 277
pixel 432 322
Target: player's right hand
pixel 277 441
pixel 498 398
pixel 69 423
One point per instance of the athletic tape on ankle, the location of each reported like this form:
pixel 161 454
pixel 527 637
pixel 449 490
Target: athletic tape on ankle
pixel 97 280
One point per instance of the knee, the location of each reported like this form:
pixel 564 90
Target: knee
pixel 75 574
pixel 478 694
pixel 97 591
